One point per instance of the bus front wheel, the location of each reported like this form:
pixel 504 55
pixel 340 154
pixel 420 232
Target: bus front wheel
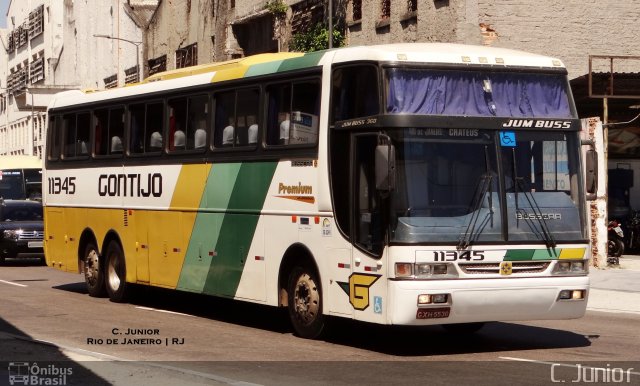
pixel 93 271
pixel 116 272
pixel 305 303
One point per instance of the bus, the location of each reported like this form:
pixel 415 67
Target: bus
pixel 20 177
pixel 404 184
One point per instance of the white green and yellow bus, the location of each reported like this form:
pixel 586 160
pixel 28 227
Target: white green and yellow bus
pixel 405 184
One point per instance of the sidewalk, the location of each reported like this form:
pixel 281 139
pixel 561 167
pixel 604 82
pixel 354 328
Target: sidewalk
pixel 616 289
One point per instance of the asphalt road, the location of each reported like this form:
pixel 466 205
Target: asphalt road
pixel 163 338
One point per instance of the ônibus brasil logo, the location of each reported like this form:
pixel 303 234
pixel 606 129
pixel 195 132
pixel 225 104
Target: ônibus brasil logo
pixel 25 373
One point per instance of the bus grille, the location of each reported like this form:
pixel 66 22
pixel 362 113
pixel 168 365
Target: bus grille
pixel 494 268
pixel 31 235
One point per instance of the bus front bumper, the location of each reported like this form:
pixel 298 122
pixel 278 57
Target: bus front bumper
pixel 509 299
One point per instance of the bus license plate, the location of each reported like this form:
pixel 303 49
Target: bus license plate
pixel 34 244
pixel 433 313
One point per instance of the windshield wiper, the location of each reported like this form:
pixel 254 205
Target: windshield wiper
pixel 484 186
pixel 518 182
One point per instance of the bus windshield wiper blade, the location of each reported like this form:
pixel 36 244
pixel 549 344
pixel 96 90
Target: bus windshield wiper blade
pixel 533 204
pixel 483 186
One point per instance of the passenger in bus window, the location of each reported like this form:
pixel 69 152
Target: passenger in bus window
pixel 155 142
pixel 200 139
pixel 227 134
pixel 179 140
pixel 285 123
pixel 116 145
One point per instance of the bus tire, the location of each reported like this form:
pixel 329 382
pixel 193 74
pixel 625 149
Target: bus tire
pixel 93 269
pixel 463 328
pixel 305 303
pixel 116 272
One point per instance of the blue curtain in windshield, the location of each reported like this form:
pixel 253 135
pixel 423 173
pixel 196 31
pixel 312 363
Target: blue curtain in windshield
pixel 473 93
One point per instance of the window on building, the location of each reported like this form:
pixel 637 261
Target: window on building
pixel 158 64
pixel 36 22
pixel 111 81
pixel 385 10
pixel 36 70
pixel 131 75
pixel 357 10
pixel 412 5
pixel 187 56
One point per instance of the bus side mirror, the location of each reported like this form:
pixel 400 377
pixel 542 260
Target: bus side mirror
pixel 591 172
pixel 385 160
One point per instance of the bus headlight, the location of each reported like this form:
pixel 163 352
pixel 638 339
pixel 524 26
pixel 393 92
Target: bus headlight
pixel 570 267
pixel 425 270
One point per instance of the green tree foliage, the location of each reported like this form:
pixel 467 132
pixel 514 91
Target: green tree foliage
pixel 315 39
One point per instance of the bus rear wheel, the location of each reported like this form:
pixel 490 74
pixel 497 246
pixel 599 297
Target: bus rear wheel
pixel 93 271
pixel 305 303
pixel 116 272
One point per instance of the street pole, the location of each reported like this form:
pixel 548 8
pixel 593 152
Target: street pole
pixel 330 23
pixel 137 44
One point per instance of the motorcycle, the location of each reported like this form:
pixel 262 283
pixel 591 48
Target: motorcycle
pixel 633 231
pixel 615 243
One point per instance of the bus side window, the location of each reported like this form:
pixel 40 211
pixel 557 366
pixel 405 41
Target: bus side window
pixel 101 131
pixel 154 123
pixel 83 128
pixel 197 122
pixel 177 124
pixel 54 138
pixel 278 113
pixel 136 128
pixel 224 119
pixel 69 135
pixel 116 130
pixel 354 92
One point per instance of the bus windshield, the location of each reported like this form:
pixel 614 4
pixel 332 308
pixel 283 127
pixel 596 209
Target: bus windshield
pixel 453 186
pixel 21 184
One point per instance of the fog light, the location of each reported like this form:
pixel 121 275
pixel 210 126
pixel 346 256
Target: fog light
pixel 404 269
pixel 565 295
pixel 577 295
pixel 424 299
pixel 439 298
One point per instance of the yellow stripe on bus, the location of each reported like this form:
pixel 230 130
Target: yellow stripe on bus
pixel 571 253
pixel 190 186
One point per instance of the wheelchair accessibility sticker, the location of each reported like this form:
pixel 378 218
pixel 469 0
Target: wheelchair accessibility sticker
pixel 507 138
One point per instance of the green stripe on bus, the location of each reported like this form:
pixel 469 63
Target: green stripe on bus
pixel 519 254
pixel 206 227
pixel 546 254
pixel 263 68
pixel 531 254
pixel 238 228
pixel 308 60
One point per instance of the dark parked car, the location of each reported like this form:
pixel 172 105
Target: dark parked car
pixel 21 229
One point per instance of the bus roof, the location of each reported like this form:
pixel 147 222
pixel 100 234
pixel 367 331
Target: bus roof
pixel 434 53
pixel 20 162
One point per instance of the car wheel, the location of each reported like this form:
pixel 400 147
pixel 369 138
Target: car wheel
pixel 305 303
pixel 116 272
pixel 93 271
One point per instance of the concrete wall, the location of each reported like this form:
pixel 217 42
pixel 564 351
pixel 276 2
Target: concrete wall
pixel 570 30
pixel 86 60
